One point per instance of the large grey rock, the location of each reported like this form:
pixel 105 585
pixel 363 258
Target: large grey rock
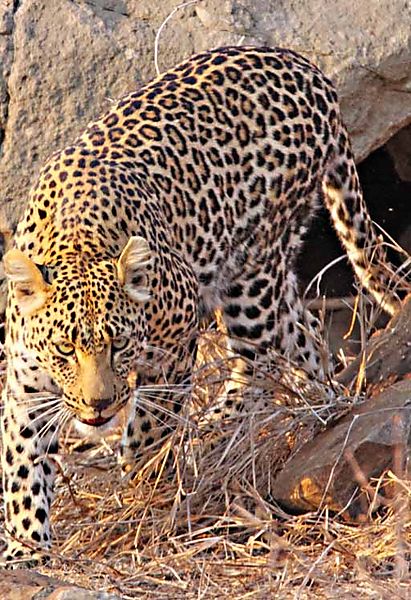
pixel 387 356
pixel 360 447
pixel 61 62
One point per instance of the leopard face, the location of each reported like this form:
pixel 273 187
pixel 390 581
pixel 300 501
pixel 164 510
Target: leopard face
pixel 84 323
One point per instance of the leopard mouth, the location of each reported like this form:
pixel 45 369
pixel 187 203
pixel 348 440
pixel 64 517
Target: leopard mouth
pixel 97 422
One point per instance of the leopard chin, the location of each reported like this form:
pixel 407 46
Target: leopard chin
pixel 97 428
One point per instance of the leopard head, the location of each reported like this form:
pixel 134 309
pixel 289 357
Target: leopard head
pixel 83 321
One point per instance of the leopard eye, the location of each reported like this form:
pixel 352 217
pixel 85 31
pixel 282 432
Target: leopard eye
pixel 120 342
pixel 65 348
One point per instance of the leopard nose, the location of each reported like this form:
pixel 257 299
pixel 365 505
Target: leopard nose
pixel 100 404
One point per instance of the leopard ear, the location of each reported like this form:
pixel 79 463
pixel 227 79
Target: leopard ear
pixel 30 288
pixel 132 268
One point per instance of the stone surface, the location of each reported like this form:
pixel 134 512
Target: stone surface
pixel 61 62
pixel 361 446
pixel 388 353
pixel 30 585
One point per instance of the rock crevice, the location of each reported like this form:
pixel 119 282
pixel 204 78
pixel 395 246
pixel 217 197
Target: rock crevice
pixel 7 20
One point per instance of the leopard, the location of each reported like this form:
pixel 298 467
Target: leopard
pixel 189 195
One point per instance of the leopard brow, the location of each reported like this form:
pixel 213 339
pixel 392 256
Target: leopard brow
pixel 124 333
pixel 57 341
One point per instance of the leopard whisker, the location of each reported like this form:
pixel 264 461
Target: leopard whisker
pixel 160 393
pixel 157 400
pixel 48 425
pixel 147 403
pixel 50 411
pixel 28 404
pixel 177 388
pixel 37 396
pixel 64 417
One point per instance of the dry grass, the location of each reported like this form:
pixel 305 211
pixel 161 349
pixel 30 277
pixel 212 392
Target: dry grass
pixel 204 525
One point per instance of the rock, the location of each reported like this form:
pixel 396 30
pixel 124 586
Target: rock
pixel 70 59
pixel 30 585
pixel 61 63
pixel 388 353
pixel 362 445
